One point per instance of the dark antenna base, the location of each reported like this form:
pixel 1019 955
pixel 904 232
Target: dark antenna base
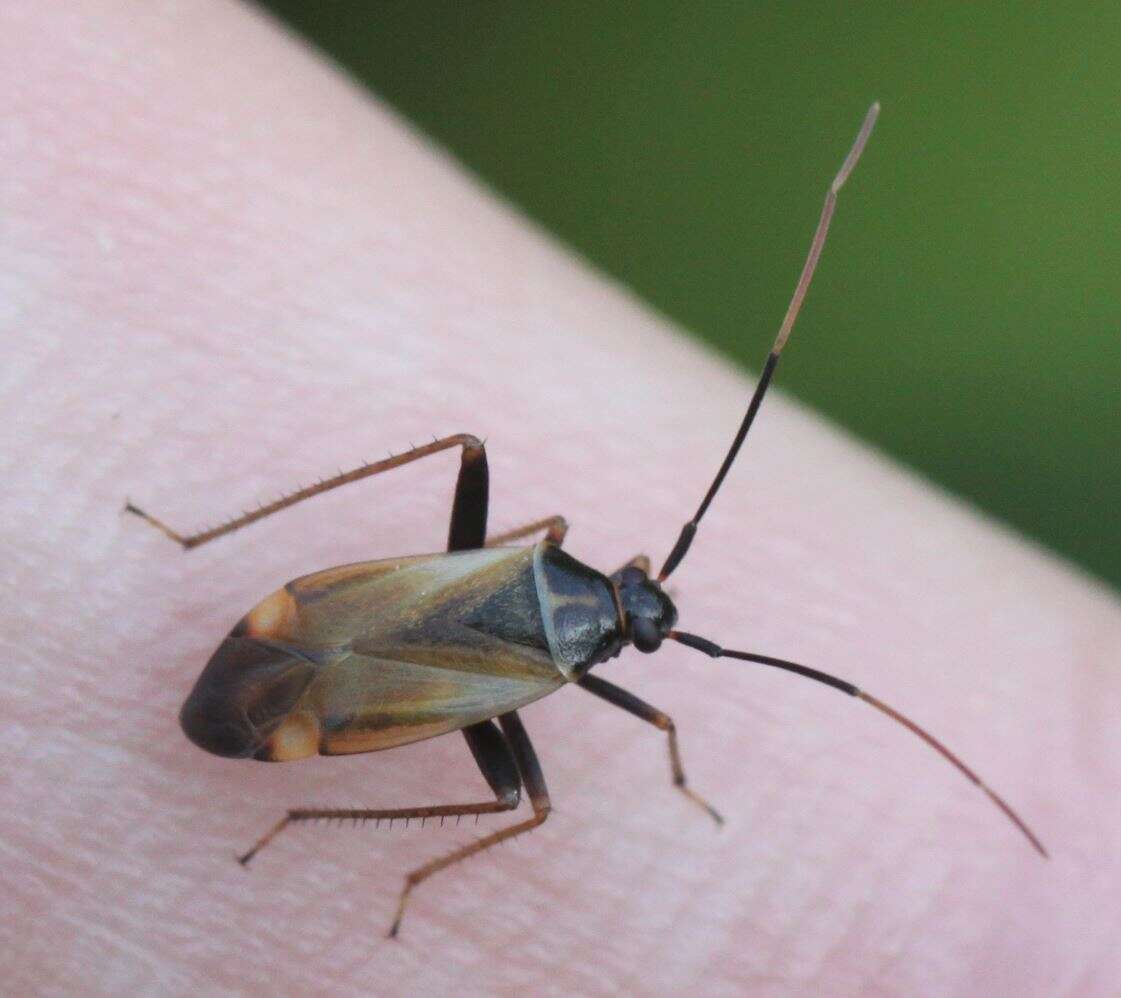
pixel 685 538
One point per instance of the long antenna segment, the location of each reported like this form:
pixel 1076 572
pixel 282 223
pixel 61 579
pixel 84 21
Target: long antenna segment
pixel 685 538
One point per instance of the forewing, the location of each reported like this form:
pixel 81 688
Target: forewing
pixel 410 648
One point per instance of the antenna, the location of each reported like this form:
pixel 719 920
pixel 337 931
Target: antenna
pixel 685 538
pixel 714 650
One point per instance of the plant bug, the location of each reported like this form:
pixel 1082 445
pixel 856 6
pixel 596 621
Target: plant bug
pixel 369 656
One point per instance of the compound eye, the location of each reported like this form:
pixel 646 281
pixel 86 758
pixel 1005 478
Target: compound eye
pixel 645 635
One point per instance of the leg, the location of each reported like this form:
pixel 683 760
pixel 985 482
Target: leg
pixel 639 561
pixel 531 776
pixel 555 528
pixel 469 508
pixel 632 705
pixel 494 758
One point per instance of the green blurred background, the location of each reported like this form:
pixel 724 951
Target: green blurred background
pixel 966 314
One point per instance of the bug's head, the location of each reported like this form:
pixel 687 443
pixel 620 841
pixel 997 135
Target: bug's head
pixel 649 612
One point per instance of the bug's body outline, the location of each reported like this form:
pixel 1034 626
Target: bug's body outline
pixel 281 649
pixel 372 655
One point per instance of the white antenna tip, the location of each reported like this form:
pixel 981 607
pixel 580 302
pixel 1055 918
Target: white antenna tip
pixel 857 147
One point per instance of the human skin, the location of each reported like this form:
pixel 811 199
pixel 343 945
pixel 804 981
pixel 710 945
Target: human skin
pixel 225 271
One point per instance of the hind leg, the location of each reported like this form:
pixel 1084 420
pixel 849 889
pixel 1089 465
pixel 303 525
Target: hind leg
pixel 468 526
pixel 494 758
pixel 531 776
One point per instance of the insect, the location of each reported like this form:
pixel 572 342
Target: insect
pixel 377 654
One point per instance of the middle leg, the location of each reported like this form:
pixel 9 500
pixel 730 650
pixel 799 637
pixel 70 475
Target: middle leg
pixel 555 528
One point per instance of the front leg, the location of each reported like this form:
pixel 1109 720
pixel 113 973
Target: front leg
pixel 632 705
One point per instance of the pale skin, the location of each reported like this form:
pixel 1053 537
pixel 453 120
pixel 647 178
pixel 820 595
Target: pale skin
pixel 225 272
